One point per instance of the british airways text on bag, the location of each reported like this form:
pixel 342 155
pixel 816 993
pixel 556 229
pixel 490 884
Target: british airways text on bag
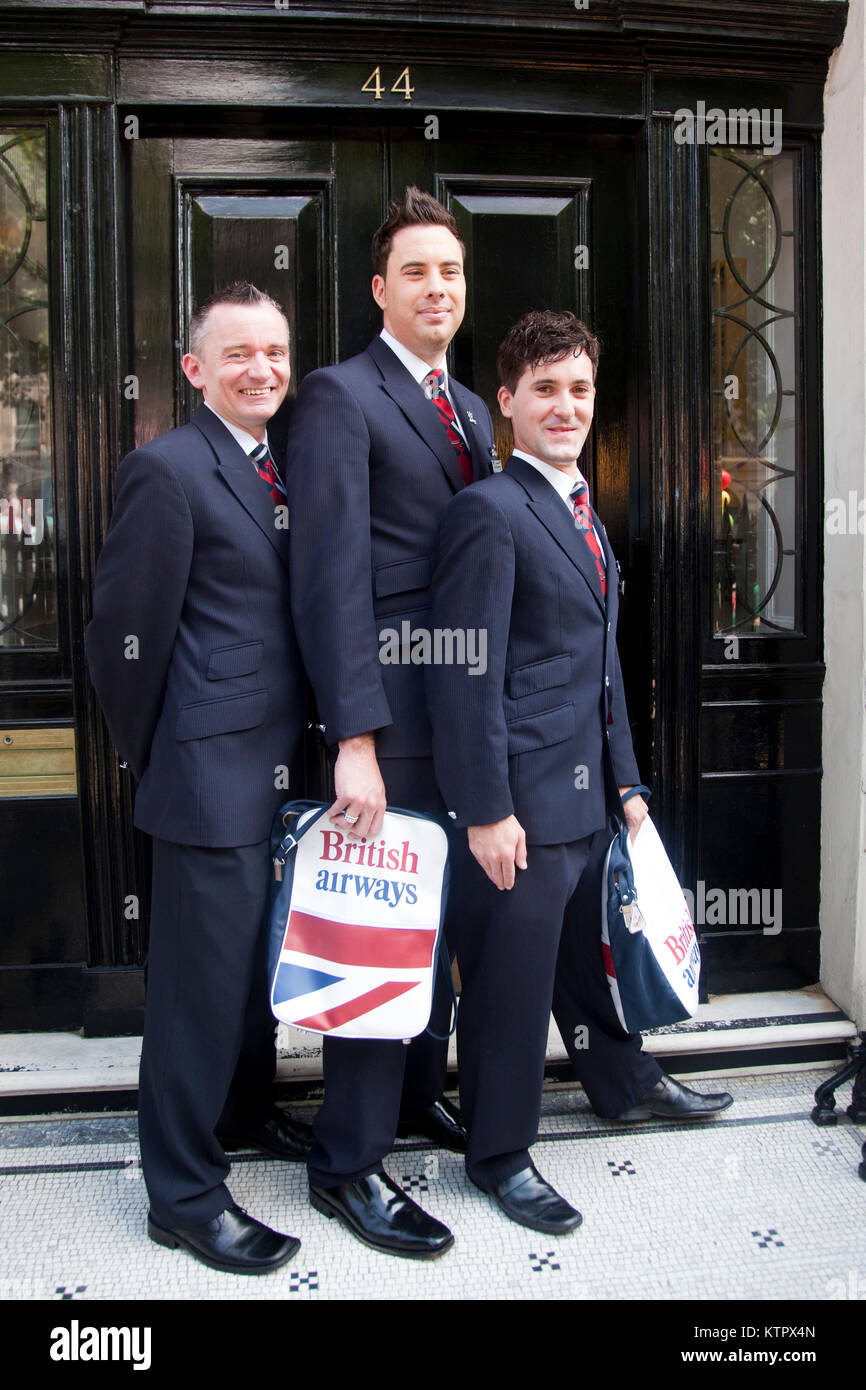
pixel 355 925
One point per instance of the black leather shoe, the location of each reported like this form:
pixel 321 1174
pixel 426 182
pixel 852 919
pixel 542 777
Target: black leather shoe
pixel 527 1199
pixel 233 1242
pixel 440 1122
pixel 381 1215
pixel 670 1100
pixel 277 1135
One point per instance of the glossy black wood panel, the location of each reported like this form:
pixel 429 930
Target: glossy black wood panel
pixel 41 882
pixel 521 235
pixel 281 243
pixel 41 998
pixel 115 860
pixel 112 1001
pixel 761 736
pixel 671 502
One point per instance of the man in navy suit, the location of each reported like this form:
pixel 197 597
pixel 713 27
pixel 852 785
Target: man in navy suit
pixel 192 653
pixel 377 447
pixel 529 754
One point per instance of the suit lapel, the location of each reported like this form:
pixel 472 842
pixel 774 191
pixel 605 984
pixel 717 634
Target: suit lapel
pixel 612 568
pixel 422 414
pixel 471 428
pixel 241 477
pixel 550 510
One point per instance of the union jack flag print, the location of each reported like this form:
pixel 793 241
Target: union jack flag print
pixel 357 924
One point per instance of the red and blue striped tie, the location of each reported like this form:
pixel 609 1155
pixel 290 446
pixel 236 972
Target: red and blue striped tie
pixel 579 498
pixel 432 384
pixel 267 471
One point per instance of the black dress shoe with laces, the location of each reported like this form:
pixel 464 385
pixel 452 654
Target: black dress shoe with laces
pixel 440 1122
pixel 276 1135
pixel 530 1201
pixel 233 1242
pixel 670 1100
pixel 381 1215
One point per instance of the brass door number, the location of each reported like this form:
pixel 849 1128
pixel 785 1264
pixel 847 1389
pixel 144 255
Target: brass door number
pixel 403 84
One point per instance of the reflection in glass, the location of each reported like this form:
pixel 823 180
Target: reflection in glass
pixel 28 607
pixel 755 344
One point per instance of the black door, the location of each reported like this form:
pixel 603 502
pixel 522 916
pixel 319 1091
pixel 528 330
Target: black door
pixel 548 221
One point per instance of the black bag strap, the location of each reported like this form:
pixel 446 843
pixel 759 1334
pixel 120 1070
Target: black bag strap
pixel 444 965
pixel 291 839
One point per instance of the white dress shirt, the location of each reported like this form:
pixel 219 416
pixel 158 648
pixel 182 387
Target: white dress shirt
pixel 560 481
pixel 420 369
pixel 247 441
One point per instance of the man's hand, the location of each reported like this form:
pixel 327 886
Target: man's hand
pixel 635 812
pixel 360 789
pixel 499 848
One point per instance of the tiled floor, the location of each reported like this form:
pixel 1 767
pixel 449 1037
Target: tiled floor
pixel 756 1204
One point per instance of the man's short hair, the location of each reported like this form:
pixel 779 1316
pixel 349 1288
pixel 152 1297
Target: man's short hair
pixel 416 209
pixel 238 292
pixel 544 335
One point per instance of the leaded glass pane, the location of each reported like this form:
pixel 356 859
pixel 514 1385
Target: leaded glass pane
pixel 755 348
pixel 28 600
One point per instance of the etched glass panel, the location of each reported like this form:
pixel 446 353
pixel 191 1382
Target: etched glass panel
pixel 28 599
pixel 755 353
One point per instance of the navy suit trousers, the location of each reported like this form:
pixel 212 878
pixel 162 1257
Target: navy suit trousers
pixel 208 1056
pixel 520 952
pixel 365 1080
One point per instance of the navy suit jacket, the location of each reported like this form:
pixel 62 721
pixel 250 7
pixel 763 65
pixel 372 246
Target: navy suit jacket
pixel 369 470
pixel 526 736
pixel 206 704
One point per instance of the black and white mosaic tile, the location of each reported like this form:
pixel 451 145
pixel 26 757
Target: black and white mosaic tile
pixel 756 1204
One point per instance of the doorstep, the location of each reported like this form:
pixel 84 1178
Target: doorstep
pixel 774 1031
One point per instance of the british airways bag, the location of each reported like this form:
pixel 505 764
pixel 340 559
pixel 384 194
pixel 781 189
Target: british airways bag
pixel 355 925
pixel 651 954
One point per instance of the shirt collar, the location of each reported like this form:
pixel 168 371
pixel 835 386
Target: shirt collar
pixel 562 482
pixel 414 365
pixel 247 441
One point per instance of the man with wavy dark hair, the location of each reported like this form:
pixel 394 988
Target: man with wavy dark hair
pixel 526 753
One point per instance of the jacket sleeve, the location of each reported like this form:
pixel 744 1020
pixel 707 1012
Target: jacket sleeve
pixel 138 597
pixel 473 587
pixel 328 488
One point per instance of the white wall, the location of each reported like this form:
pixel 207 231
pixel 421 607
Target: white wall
pixel 843 834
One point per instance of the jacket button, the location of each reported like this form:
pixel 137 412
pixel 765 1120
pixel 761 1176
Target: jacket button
pixel 452 815
pixel 607 680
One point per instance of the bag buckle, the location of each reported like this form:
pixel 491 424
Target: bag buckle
pixel 287 844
